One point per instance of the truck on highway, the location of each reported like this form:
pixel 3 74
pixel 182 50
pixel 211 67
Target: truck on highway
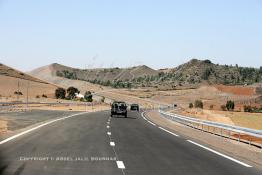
pixel 119 108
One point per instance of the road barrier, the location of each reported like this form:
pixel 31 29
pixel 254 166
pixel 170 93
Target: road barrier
pixel 241 134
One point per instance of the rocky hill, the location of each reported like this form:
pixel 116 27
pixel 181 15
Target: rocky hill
pixel 204 71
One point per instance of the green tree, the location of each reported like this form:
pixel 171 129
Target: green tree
pixel 199 104
pixel 190 105
pixel 88 96
pixel 72 91
pixel 230 105
pixel 60 93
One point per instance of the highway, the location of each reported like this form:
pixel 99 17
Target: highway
pixel 95 144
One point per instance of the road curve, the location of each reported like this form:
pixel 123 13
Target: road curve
pixel 94 144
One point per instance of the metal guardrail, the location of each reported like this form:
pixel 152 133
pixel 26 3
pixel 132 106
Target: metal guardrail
pixel 207 125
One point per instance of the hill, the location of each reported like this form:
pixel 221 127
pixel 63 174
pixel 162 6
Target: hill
pixel 199 71
pixel 14 84
pixel 115 77
pixel 189 75
pixel 49 73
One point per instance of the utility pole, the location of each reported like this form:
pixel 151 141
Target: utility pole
pixel 27 90
pixel 17 93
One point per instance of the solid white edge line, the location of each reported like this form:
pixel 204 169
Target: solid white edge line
pixel 37 127
pixel 168 131
pixel 220 154
pixel 120 164
pixel 151 123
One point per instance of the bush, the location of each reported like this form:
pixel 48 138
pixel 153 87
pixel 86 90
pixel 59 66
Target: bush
pixel 88 96
pixel 72 91
pixel 18 93
pixel 223 107
pixel 230 105
pixel 60 93
pixel 37 96
pixel 103 99
pixel 211 107
pixel 44 96
pixel 199 104
pixel 190 105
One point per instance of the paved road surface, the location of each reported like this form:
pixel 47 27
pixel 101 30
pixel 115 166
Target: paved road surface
pixel 75 145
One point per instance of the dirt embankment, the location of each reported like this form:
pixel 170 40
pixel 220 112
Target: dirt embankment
pixel 237 90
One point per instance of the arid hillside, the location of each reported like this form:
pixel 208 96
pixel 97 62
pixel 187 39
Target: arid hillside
pixel 115 77
pixel 15 85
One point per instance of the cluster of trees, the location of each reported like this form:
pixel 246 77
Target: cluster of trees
pixel 230 106
pixel 249 108
pixel 66 74
pixel 71 93
pixel 197 104
pixel 114 84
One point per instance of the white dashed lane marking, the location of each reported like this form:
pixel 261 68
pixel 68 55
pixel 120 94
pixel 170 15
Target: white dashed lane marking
pixel 120 164
pixel 112 144
pixel 109 133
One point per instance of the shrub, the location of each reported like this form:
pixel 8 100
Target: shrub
pixel 72 91
pixel 88 96
pixel 18 93
pixel 211 107
pixel 103 99
pixel 223 107
pixel 60 93
pixel 199 104
pixel 190 105
pixel 37 96
pixel 44 96
pixel 230 105
pixel 207 61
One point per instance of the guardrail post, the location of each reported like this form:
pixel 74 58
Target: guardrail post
pixel 239 136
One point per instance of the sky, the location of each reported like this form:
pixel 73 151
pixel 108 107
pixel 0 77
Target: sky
pixel 124 33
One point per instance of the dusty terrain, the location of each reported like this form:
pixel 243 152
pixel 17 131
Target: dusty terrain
pixel 15 81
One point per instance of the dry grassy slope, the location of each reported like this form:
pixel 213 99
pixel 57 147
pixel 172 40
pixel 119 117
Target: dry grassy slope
pixel 8 71
pixel 102 74
pixel 48 73
pixel 10 78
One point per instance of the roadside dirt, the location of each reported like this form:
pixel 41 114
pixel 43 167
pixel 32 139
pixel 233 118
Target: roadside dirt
pixel 241 151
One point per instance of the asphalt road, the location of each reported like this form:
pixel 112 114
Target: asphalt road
pixel 81 145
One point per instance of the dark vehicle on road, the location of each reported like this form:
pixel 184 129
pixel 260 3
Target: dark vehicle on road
pixel 119 108
pixel 134 107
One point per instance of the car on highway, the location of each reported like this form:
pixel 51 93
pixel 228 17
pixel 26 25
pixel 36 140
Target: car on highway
pixel 119 108
pixel 134 107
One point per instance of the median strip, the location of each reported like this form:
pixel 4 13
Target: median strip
pixel 220 154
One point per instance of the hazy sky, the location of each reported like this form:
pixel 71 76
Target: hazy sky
pixel 158 33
